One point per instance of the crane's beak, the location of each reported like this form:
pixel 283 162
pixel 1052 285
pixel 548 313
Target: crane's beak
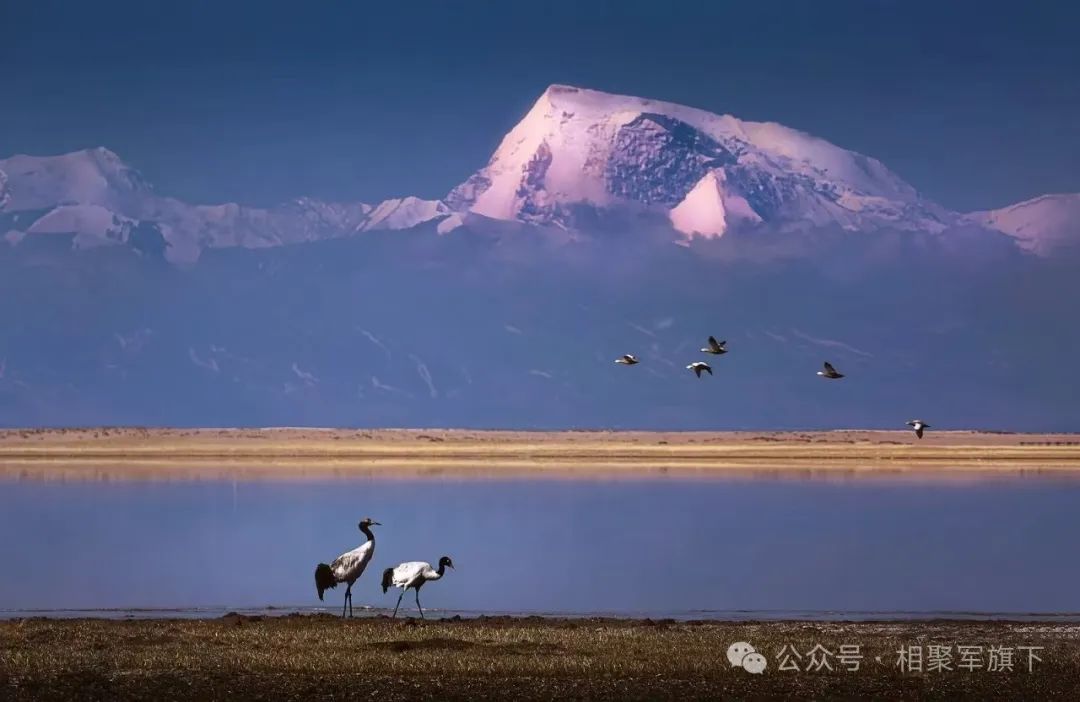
pixel 376 524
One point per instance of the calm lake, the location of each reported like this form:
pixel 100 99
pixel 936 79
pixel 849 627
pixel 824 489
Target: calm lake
pixel 729 548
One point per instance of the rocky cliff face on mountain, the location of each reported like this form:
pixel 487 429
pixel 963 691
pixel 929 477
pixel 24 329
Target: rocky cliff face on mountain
pixel 601 225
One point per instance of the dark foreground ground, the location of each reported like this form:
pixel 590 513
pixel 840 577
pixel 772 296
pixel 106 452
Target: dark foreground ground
pixel 320 657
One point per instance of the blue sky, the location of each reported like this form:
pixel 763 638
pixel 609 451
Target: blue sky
pixel 975 103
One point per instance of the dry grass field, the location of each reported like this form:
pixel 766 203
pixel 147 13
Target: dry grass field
pixel 322 657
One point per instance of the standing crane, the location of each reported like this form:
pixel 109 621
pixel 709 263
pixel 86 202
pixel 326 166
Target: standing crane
pixel 413 574
pixel 347 567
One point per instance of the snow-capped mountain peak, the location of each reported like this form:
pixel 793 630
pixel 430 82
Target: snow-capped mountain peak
pixel 579 147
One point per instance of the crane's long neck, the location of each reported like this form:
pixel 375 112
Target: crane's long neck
pixel 441 570
pixel 367 532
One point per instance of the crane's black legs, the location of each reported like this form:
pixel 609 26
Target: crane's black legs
pixel 347 602
pixel 418 602
pixel 398 604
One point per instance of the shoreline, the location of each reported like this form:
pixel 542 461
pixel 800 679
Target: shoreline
pixel 299 452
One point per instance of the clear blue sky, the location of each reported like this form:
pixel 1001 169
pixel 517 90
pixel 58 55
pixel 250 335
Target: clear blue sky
pixel 975 103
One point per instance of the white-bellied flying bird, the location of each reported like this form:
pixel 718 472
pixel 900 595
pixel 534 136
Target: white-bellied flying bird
pixel 347 567
pixel 918 425
pixel 413 574
pixel 715 347
pixel 628 359
pixel 830 372
pixel 698 366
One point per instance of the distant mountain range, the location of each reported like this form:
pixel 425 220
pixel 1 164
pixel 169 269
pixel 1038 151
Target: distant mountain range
pixel 601 225
pixel 578 155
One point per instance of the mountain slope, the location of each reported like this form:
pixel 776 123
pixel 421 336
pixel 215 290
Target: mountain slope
pixel 1044 225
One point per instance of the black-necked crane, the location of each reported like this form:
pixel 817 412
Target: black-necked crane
pixel 413 574
pixel 830 372
pixel 918 425
pixel 347 567
pixel 628 359
pixel 698 367
pixel 715 347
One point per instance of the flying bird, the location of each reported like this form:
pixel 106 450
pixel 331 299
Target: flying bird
pixel 715 347
pixel 347 567
pixel 413 574
pixel 830 372
pixel 698 366
pixel 628 359
pixel 918 425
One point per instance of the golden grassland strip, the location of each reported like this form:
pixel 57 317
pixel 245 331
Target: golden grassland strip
pixel 427 452
pixel 168 469
pixel 306 657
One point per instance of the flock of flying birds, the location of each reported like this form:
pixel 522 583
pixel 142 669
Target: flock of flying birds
pixel 719 348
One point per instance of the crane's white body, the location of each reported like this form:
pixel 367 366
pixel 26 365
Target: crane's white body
pixel 349 566
pixel 414 574
pixel 628 359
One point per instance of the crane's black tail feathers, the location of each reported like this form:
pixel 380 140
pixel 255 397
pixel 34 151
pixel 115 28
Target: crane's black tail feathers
pixel 324 578
pixel 387 579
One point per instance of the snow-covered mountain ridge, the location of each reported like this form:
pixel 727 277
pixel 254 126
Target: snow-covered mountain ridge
pixel 577 154
pixel 96 197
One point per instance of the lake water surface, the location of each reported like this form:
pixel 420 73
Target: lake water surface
pixel 742 548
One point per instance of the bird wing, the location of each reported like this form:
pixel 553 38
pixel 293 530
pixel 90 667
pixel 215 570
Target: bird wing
pixel 714 344
pixel 707 368
pixel 829 368
pixel 350 565
pixel 627 357
pixel 408 573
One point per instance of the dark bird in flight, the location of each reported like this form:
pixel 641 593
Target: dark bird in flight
pixel 830 372
pixel 715 347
